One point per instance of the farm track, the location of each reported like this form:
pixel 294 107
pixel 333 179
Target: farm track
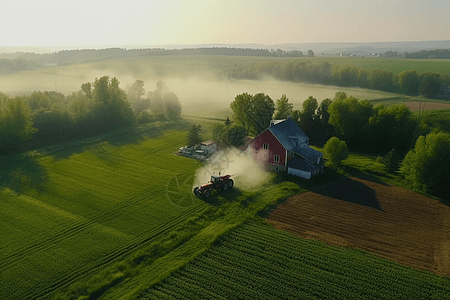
pixel 407 227
pixel 69 232
pixel 117 254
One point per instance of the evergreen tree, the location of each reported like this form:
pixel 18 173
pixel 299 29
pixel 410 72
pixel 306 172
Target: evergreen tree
pixel 193 137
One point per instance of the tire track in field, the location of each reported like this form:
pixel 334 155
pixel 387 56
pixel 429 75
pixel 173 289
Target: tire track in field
pixel 44 244
pixel 115 255
pixel 47 243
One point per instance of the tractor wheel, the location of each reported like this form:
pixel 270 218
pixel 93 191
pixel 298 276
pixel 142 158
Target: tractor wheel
pixel 224 187
pixel 206 193
pixel 196 191
pixel 230 183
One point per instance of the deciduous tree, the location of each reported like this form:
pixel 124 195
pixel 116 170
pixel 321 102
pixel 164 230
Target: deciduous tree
pixel 283 108
pixel 427 166
pixel 335 150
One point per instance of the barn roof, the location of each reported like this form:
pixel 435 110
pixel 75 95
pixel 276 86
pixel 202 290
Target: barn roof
pixel 308 153
pixel 288 133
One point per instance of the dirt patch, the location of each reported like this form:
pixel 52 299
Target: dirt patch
pixel 414 106
pixel 391 221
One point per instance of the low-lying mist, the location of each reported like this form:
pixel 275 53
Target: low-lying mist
pixel 246 173
pixel 199 89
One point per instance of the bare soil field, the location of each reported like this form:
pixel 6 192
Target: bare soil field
pixel 390 221
pixel 414 106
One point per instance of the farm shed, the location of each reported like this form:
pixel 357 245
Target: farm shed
pixel 284 147
pixel 209 147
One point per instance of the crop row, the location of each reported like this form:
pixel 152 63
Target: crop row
pixel 257 261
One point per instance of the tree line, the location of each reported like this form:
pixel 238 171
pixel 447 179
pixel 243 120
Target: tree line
pixel 84 55
pixel 392 131
pixel 429 84
pixel 371 129
pixel 16 65
pixel 433 54
pixel 46 117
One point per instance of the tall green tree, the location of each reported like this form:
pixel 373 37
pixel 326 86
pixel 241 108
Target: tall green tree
pixel 283 108
pixel 240 106
pixel 79 106
pixel 350 119
pixel 135 91
pixel 260 112
pixel 53 124
pixel 391 127
pixel 322 129
pixel 381 80
pixel 408 82
pixel 16 123
pixel 308 115
pixel 111 104
pixel 86 88
pixel 172 105
pixel 430 84
pixel 427 166
pixel 194 138
pixel 164 103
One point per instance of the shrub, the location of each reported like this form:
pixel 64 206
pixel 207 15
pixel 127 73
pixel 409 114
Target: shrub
pixel 335 150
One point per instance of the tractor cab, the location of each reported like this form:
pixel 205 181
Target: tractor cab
pixel 215 178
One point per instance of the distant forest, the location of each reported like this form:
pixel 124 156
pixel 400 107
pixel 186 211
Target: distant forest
pixel 409 82
pixel 89 55
pixel 432 54
pixel 22 61
pixel 17 65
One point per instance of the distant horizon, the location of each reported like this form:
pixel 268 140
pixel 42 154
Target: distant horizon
pixel 49 48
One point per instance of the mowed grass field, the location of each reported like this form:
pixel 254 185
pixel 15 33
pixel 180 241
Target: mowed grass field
pixel 70 210
pixel 256 261
pixel 110 216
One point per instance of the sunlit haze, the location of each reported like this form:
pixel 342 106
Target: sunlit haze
pixel 150 23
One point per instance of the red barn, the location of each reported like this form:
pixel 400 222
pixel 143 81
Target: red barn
pixel 283 146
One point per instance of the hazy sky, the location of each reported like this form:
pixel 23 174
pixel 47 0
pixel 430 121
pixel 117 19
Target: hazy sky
pixel 100 23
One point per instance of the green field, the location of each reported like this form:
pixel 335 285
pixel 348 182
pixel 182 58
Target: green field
pixel 71 210
pixel 392 65
pixel 114 212
pixel 256 261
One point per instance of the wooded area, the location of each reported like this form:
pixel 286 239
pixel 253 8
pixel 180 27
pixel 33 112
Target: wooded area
pixel 42 118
